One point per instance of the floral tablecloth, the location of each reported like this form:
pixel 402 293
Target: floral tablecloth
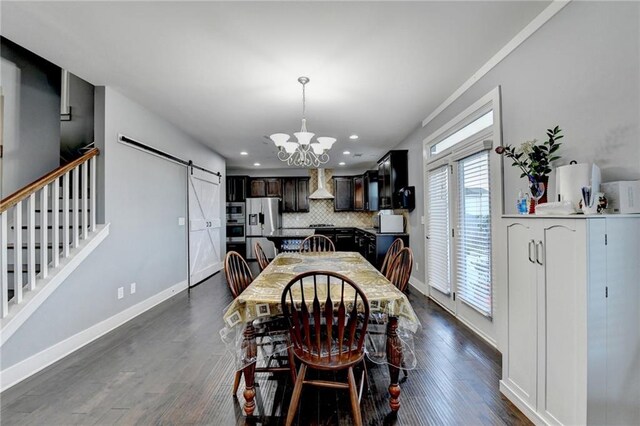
pixel 261 302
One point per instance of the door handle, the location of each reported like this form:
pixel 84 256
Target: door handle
pixel 531 243
pixel 539 243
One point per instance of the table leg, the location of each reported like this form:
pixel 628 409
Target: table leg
pixel 394 359
pixel 250 350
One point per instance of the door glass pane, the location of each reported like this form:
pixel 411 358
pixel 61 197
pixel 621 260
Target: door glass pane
pixel 473 242
pixel 438 261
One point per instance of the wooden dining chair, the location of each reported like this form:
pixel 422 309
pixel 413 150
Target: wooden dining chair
pixel 263 260
pixel 399 269
pixel 393 249
pixel 326 335
pixel 237 273
pixel 317 243
pixel 272 331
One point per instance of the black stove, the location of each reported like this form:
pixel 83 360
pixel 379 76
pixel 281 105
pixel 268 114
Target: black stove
pixel 321 225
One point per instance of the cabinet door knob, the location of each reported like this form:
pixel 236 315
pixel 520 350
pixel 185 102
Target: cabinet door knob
pixel 531 244
pixel 538 255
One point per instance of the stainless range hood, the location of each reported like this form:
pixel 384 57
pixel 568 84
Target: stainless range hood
pixel 321 193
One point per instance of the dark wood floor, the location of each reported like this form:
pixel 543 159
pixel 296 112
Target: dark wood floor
pixel 169 366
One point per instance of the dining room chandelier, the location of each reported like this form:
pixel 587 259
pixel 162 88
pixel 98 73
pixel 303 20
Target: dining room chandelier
pixel 304 152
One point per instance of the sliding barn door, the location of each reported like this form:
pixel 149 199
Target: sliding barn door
pixel 205 254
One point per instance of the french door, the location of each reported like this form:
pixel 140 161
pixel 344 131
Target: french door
pixel 459 234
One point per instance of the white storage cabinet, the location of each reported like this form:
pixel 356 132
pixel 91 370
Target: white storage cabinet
pixel 572 354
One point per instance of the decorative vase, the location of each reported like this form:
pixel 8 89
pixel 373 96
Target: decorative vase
pixel 544 180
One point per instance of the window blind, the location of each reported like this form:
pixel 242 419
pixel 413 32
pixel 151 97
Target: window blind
pixel 438 258
pixel 473 239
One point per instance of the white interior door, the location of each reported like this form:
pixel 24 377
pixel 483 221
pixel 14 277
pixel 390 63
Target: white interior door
pixel 205 241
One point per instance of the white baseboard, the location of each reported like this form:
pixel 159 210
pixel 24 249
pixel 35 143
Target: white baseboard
pixel 418 285
pixel 24 369
pixel 526 409
pixel 45 287
pixel 467 324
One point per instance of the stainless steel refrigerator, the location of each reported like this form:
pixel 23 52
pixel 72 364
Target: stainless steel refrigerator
pixel 263 217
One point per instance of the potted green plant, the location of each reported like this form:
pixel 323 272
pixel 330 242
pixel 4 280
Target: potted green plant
pixel 534 159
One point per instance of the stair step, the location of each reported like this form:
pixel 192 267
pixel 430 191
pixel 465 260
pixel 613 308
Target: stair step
pixel 11 269
pixel 25 246
pixel 25 227
pixel 59 211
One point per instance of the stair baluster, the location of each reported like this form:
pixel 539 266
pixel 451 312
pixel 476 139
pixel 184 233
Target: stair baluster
pixel 65 215
pixel 31 244
pixel 92 192
pixel 75 193
pixel 17 252
pixel 55 231
pixel 4 278
pixel 85 193
pixel 44 234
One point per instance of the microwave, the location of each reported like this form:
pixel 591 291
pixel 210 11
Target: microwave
pixel 389 223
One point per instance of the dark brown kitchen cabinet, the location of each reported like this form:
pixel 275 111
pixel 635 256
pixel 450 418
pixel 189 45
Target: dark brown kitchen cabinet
pixel 265 187
pixel 274 187
pixel 236 188
pixel 370 185
pixel 295 194
pixel 343 193
pixel 358 193
pixel 393 175
pixel 345 239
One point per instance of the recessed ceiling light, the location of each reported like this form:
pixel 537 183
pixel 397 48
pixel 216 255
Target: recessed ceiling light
pixel 244 153
pixel 342 163
pixel 353 137
pixel 347 152
pixel 256 164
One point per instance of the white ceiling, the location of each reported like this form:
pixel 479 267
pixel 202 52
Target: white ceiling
pixel 226 72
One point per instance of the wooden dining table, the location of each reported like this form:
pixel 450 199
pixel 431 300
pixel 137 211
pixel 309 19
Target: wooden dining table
pixel 261 301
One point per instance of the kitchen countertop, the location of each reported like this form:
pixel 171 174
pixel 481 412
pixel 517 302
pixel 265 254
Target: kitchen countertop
pixel 328 228
pixel 291 233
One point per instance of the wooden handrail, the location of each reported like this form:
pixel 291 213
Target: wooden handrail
pixel 34 186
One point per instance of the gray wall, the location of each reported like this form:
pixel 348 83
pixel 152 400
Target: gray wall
pixel 32 111
pixel 143 198
pixel 581 70
pixel 78 132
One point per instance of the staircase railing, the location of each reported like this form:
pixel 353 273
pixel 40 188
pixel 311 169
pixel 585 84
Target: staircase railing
pixel 72 219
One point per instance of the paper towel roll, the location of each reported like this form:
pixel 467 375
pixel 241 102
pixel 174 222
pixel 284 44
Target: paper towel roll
pixel 570 179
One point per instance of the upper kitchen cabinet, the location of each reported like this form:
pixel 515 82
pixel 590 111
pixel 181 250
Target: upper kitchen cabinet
pixel 370 185
pixel 392 176
pixel 265 187
pixel 236 188
pixel 358 193
pixel 365 192
pixel 343 193
pixel 295 194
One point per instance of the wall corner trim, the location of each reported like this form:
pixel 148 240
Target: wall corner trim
pixel 533 26
pixel 32 365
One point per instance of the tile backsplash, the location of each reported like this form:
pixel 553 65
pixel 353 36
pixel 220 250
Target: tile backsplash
pixel 321 211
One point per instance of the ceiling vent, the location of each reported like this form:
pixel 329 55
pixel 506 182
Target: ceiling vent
pixel 321 193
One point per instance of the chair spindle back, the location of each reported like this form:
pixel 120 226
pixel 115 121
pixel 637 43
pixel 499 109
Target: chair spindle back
pixel 237 272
